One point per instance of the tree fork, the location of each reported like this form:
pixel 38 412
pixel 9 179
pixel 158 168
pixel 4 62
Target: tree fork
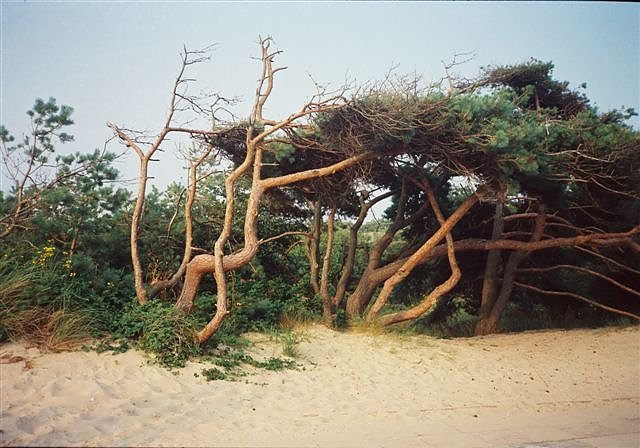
pixel 375 274
pixel 422 253
pixel 488 324
pixel 439 291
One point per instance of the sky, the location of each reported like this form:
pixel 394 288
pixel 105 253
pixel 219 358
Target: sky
pixel 117 61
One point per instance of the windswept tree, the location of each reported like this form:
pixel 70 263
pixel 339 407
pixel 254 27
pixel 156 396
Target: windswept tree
pixel 522 143
pixel 534 144
pixel 146 148
pixel 245 145
pixel 259 133
pixel 585 170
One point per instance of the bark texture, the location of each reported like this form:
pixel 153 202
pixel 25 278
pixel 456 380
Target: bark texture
pixel 491 281
pixel 488 323
pixel 421 254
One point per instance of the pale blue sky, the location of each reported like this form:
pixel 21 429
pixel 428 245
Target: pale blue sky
pixel 116 61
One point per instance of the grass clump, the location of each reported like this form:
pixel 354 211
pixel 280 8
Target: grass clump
pixel 48 329
pixel 43 325
pixel 67 330
pixel 289 341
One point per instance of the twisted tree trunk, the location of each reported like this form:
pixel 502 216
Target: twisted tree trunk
pixel 421 254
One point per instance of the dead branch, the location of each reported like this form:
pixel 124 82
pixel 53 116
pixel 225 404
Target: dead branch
pixel 585 271
pixel 187 58
pixel 608 260
pixel 284 235
pixel 578 297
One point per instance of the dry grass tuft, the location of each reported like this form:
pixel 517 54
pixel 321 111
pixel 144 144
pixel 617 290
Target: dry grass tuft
pixel 296 323
pixel 359 325
pixel 67 331
pixel 48 329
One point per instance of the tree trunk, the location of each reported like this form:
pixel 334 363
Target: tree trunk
pixel 489 324
pixel 313 250
pixel 361 296
pixel 162 285
pixel 76 238
pixel 347 267
pixel 327 300
pixel 370 280
pixel 138 273
pixel 491 280
pixel 196 268
pixel 417 257
pixel 432 298
pixel 254 156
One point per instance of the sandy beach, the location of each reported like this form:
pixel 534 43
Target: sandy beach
pixel 578 389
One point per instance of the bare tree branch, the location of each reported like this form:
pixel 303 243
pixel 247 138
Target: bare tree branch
pixel 585 271
pixel 578 297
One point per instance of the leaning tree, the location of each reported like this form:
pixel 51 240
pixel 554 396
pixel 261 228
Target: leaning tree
pixel 525 143
pixel 515 136
pixel 245 144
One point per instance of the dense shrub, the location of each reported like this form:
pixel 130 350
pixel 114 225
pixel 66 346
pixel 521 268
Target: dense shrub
pixel 45 293
pixel 261 304
pixel 161 329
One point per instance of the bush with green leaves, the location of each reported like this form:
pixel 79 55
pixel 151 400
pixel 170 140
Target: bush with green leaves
pixel 63 281
pixel 161 329
pixel 260 304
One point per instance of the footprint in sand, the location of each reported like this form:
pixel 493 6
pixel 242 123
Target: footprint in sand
pixel 30 426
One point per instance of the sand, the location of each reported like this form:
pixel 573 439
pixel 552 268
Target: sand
pixel 575 389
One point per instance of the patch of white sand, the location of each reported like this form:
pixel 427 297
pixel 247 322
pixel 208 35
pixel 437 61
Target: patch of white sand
pixel 538 389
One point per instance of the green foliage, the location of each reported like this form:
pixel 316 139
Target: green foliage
pixel 532 81
pixel 276 364
pixel 69 233
pixel 38 311
pixel 213 374
pixel 260 304
pixel 47 118
pixel 61 281
pixel 28 163
pixel 120 346
pixel 232 362
pixel 160 329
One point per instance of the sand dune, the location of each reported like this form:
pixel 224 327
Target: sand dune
pixel 546 389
